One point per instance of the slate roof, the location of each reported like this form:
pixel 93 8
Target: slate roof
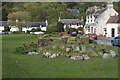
pixel 74 12
pixel 37 24
pixel 73 21
pixel 114 19
pixel 99 12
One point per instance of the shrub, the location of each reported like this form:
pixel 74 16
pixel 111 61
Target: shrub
pixel 24 49
pixel 51 28
pixel 18 32
pixel 72 30
pixel 35 30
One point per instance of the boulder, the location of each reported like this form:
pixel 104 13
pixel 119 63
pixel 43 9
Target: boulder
pixel 105 55
pixel 112 54
pixel 86 57
pixel 68 49
pixel 76 57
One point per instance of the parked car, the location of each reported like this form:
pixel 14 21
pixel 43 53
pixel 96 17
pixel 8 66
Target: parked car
pixel 74 34
pixel 37 32
pixel 116 41
pixel 92 36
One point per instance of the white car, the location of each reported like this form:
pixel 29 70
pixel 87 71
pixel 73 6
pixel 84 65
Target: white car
pixel 37 32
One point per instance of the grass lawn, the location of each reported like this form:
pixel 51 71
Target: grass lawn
pixel 25 66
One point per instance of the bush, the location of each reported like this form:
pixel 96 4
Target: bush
pixel 51 28
pixel 72 30
pixel 54 35
pixel 35 30
pixel 18 32
pixel 24 49
pixel 71 39
pixel 28 32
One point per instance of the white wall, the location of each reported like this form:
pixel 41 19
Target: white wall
pixel 1 28
pixel 25 29
pixel 13 28
pixel 44 28
pixel 102 20
pixel 109 26
pixel 73 26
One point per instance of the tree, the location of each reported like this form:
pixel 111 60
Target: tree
pixel 67 29
pixel 72 30
pixel 59 27
pixel 19 19
pixel 4 15
pixel 80 30
pixel 51 28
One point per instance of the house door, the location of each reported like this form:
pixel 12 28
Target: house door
pixel 112 32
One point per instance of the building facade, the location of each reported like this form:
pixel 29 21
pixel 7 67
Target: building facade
pixel 72 23
pixel 96 22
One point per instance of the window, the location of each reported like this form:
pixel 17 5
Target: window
pixel 88 28
pixel 92 29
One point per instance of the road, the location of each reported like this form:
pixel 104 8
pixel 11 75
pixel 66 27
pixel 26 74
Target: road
pixel 104 40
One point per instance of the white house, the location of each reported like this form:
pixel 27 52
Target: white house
pixel 112 27
pixel 1 28
pixel 72 23
pixel 96 22
pixel 3 24
pixel 35 25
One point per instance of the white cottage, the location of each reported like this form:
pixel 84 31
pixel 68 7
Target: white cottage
pixel 1 28
pixel 35 25
pixel 3 25
pixel 112 27
pixel 72 23
pixel 96 22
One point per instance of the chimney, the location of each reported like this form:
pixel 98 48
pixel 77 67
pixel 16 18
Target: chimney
pixel 46 22
pixel 59 19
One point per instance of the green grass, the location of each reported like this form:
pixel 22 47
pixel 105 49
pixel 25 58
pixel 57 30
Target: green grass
pixel 26 66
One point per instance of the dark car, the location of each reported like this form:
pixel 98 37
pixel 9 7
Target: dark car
pixel 92 36
pixel 74 34
pixel 116 41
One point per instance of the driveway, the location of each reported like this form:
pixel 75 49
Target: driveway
pixel 104 40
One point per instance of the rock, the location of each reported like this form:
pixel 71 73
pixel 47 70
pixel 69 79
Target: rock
pixel 62 47
pixel 112 54
pixel 106 55
pixel 73 47
pixel 76 57
pixel 100 53
pixel 94 54
pixel 54 47
pixel 53 56
pixel 47 54
pixel 29 53
pixel 83 48
pixel 68 55
pixel 67 49
pixel 77 48
pixel 86 57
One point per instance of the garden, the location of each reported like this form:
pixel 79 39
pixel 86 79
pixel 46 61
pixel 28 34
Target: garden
pixel 41 56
